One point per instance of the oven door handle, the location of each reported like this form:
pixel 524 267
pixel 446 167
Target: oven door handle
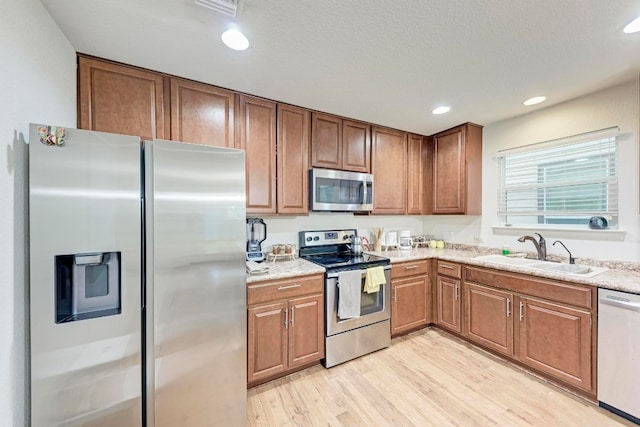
pixel 364 270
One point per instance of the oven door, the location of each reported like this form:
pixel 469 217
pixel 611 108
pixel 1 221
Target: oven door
pixel 374 307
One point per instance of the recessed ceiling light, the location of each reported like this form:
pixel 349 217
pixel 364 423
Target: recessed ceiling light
pixel 235 40
pixel 441 110
pixel 535 100
pixel 633 26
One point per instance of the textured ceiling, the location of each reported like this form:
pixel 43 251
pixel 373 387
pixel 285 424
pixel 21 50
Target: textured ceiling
pixel 388 62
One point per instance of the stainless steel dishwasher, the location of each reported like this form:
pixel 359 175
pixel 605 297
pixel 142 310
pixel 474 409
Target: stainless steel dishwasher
pixel 619 353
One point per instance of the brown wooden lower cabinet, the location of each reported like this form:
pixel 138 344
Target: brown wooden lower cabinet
pixel 448 303
pixel 488 315
pixel 285 326
pixel 410 296
pixel 557 340
pixel 552 333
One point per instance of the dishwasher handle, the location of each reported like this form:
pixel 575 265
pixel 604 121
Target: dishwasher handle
pixel 620 303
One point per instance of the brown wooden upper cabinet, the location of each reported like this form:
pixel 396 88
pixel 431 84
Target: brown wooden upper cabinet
pixel 256 135
pixel 338 143
pixel 419 166
pixel 293 160
pixel 202 113
pixel 122 99
pixel 457 170
pixel 389 165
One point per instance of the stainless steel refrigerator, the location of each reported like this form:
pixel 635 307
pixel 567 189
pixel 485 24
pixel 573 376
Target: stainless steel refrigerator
pixel 137 281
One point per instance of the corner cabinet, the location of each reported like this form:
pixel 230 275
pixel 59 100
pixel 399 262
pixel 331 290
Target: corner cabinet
pixel 256 134
pixel 417 184
pixel 457 171
pixel 389 165
pixel 293 160
pixel 285 326
pixel 410 296
pixel 122 99
pixel 341 144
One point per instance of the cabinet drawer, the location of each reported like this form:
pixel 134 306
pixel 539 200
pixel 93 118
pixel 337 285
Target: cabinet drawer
pixel 260 292
pixel 450 269
pixel 411 268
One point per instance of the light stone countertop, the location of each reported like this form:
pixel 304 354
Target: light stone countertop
pixel 285 269
pixel 623 277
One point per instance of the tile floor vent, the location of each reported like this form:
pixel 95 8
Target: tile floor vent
pixel 227 7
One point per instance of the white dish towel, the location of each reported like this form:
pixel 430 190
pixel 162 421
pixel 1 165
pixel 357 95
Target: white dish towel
pixel 350 287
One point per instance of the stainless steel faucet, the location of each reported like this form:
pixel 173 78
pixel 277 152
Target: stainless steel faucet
pixel 541 245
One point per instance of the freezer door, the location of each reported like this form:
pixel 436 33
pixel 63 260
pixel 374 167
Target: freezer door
pixel 85 279
pixel 196 290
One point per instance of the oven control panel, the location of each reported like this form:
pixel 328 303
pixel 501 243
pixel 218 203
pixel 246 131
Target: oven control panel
pixel 326 237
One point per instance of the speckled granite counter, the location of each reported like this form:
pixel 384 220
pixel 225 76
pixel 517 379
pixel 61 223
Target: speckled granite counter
pixel 284 269
pixel 620 276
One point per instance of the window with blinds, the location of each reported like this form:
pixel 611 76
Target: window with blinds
pixel 560 183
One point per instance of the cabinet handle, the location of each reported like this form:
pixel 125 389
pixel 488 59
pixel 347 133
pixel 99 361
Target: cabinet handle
pixel 446 266
pixel 297 285
pixel 293 316
pixel 457 292
pixel 411 267
pixel 521 315
pixel 286 319
pixel 395 294
pixel 508 307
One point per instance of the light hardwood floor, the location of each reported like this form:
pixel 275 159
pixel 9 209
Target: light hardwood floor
pixel 427 378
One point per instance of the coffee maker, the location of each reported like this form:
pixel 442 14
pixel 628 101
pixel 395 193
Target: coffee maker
pixel 256 234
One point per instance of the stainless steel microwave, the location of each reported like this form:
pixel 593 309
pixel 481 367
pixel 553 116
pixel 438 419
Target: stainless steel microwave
pixel 340 191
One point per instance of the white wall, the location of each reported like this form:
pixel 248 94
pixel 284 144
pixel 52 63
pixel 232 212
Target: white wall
pixel 37 83
pixel 617 106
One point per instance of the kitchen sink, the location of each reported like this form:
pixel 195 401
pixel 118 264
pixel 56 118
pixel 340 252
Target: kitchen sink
pixel 535 264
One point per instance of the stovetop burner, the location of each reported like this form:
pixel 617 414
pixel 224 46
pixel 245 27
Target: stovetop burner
pixel 330 249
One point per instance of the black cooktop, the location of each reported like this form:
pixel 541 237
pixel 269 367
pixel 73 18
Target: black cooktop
pixel 346 260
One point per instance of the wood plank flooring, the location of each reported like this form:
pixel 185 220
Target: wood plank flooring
pixel 424 379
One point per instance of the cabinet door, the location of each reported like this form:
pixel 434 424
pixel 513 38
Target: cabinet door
pixel 326 141
pixel 556 340
pixel 257 136
pixel 120 99
pixel 448 301
pixel 202 114
pixel 415 177
pixel 489 317
pixel 293 160
pixel 449 172
pixel 356 146
pixel 306 330
pixel 389 163
pixel 267 340
pixel 410 303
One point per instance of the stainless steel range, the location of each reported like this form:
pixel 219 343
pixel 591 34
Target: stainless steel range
pixel 357 295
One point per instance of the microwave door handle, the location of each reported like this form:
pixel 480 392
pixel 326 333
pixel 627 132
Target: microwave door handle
pixel 364 192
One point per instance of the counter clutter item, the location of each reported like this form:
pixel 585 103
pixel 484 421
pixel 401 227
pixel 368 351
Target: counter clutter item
pixel 271 257
pixel 253 268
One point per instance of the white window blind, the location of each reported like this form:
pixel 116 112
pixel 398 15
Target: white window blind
pixel 560 183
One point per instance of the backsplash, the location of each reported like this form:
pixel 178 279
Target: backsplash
pixel 451 228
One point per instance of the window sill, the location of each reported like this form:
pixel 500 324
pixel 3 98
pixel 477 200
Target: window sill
pixel 572 233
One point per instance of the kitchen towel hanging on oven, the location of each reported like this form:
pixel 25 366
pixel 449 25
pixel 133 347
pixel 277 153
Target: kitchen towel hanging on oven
pixel 350 287
pixel 374 279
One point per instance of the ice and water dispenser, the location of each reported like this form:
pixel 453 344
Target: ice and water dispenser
pixel 87 286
